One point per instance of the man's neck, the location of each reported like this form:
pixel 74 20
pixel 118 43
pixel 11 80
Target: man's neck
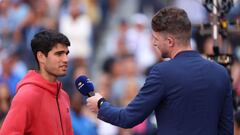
pixel 178 50
pixel 47 76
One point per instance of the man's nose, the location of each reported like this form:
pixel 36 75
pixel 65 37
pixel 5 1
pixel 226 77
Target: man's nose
pixel 65 58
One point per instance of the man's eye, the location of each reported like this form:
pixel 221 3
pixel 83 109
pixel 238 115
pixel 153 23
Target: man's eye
pixel 59 54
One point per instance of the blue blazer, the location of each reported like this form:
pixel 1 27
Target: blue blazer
pixel 189 95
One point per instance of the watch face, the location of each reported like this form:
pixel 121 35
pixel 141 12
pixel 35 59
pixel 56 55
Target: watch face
pixel 100 102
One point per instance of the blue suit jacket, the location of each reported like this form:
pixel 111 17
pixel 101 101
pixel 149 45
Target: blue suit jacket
pixel 190 96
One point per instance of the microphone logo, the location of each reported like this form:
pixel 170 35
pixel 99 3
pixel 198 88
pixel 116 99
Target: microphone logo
pixel 80 85
pixel 89 81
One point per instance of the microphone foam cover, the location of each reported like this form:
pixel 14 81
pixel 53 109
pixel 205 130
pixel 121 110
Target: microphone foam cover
pixel 84 85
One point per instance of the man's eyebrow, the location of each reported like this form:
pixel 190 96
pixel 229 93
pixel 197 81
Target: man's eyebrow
pixel 61 52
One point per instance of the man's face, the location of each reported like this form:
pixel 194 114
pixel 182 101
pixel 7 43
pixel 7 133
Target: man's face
pixel 56 63
pixel 160 42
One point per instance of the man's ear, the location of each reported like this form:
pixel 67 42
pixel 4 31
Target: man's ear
pixel 171 41
pixel 41 57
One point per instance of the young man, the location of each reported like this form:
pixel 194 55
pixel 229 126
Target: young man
pixel 189 94
pixel 40 106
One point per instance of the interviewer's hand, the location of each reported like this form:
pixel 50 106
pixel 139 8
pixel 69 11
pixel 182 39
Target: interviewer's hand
pixel 92 102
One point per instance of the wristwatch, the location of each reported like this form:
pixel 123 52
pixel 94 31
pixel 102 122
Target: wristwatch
pixel 100 102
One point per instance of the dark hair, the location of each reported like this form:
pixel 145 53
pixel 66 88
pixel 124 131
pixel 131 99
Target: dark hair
pixel 172 21
pixel 45 40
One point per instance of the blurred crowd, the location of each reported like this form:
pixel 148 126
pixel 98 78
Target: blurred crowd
pixel 110 43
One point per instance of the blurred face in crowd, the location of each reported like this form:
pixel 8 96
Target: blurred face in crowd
pixel 4 4
pixel 55 63
pixel 8 64
pixel 161 43
pixel 4 98
pixel 40 7
pixel 74 8
pixel 130 68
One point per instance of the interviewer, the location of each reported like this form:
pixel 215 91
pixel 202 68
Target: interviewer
pixel 189 94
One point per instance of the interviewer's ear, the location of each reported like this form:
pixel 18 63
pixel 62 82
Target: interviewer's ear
pixel 171 40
